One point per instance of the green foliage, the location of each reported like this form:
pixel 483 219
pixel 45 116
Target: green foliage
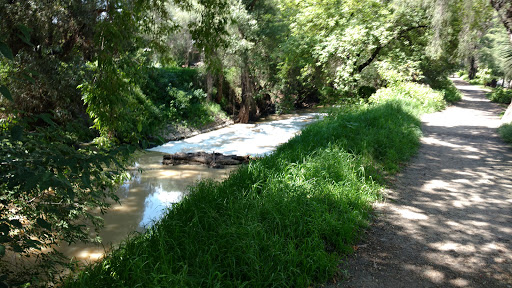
pixel 50 184
pixel 451 93
pixel 283 220
pixel 483 77
pixel 417 97
pixel 177 94
pixel 500 95
pixel 493 51
pixel 160 80
pixel 366 91
pixel 505 131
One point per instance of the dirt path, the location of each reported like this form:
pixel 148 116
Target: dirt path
pixel 447 222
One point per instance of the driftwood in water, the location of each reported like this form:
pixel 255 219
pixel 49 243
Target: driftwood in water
pixel 214 160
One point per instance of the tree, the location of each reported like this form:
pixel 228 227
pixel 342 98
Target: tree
pixel 504 9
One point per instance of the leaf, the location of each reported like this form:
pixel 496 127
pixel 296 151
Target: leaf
pixel 16 132
pixel 25 36
pixel 29 78
pixel 25 30
pixel 43 223
pixel 5 92
pixel 47 118
pixel 6 51
pixel 33 72
pixel 86 180
pixel 139 127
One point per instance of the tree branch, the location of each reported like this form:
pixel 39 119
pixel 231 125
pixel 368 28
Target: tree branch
pixel 377 50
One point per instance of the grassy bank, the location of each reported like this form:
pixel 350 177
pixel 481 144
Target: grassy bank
pixel 281 221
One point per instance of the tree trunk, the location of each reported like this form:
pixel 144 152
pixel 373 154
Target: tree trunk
pixel 248 106
pixel 209 85
pixel 214 160
pixel 220 87
pixel 472 68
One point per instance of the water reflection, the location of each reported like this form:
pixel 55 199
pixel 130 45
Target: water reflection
pixel 156 204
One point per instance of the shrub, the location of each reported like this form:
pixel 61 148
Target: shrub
pixel 366 91
pixel 444 85
pixel 420 98
pixel 500 95
pixel 160 80
pixel 484 76
pixel 452 94
pixel 505 131
pixel 460 73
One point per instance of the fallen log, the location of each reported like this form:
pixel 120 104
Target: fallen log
pixel 214 160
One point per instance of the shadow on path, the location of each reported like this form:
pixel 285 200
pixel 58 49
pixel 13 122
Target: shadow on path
pixel 447 221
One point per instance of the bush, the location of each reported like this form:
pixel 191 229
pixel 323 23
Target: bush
pixel 500 95
pixel 160 80
pixel 505 131
pixel 419 98
pixel 484 76
pixel 476 81
pixel 366 91
pixel 178 96
pixel 461 73
pixel 450 93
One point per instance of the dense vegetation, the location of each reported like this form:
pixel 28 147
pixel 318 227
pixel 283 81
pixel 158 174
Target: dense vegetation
pixel 282 220
pixel 83 83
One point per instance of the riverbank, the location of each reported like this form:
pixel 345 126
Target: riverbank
pixel 181 131
pixel 282 220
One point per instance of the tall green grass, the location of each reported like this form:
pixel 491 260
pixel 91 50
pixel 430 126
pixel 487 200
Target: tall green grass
pixel 280 221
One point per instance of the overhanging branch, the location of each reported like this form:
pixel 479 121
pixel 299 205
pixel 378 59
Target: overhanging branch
pixel 377 50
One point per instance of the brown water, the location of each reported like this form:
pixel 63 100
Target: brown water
pixel 147 195
pixel 143 200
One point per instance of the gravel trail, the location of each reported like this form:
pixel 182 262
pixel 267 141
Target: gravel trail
pixel 447 219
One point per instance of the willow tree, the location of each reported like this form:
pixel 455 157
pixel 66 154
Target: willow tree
pixel 49 182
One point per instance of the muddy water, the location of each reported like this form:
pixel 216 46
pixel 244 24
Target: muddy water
pixel 143 200
pixel 147 195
